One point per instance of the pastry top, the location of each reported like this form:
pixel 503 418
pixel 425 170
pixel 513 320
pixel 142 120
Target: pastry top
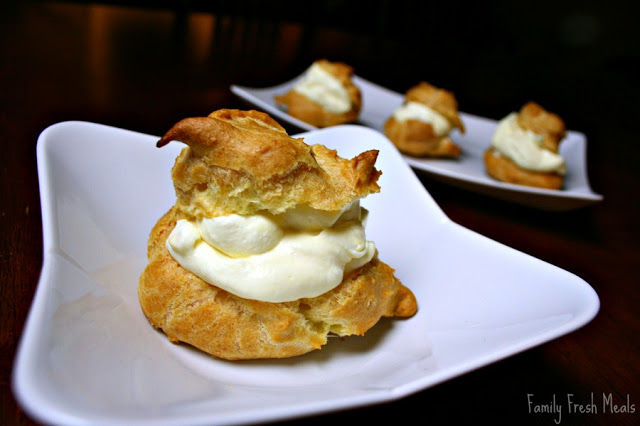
pixel 544 123
pixel 268 171
pixel 440 100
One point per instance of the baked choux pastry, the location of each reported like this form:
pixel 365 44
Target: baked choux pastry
pixel 326 96
pixel 264 253
pixel 524 149
pixel 421 126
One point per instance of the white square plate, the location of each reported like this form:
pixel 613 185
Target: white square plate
pixel 467 171
pixel 89 356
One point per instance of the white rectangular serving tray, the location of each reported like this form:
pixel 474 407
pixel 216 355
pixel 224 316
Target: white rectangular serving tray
pixel 467 171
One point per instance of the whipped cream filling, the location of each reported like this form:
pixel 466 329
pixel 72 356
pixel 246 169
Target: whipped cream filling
pixel 525 147
pixel 417 111
pixel 274 258
pixel 324 89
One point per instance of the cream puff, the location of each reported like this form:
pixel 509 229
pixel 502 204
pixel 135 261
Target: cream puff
pixel 422 125
pixel 264 253
pixel 524 148
pixel 326 95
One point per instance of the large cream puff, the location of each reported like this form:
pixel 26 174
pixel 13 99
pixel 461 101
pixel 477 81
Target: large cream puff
pixel 264 253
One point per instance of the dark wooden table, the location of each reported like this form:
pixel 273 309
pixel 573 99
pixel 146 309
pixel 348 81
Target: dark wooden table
pixel 143 68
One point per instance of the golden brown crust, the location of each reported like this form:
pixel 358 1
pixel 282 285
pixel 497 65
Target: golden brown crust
pixel 303 108
pixel 440 100
pixel 502 168
pixel 243 162
pixel 417 138
pixel 189 310
pixel 542 122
